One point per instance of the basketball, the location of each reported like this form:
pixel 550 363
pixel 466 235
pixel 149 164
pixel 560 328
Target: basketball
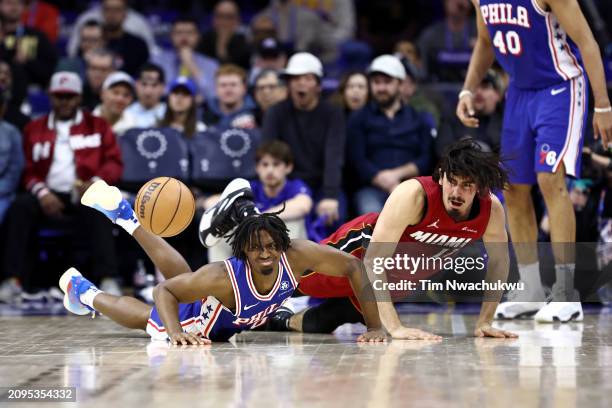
pixel 164 206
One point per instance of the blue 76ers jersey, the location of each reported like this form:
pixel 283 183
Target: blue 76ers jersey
pixel 215 321
pixel 530 44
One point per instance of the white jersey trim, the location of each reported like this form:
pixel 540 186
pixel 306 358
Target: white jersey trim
pixel 538 9
pixel 230 271
pixel 570 152
pixel 253 289
pixel 289 270
pixel 563 59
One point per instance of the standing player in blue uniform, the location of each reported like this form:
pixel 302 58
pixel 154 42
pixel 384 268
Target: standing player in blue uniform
pixel 546 47
pixel 222 298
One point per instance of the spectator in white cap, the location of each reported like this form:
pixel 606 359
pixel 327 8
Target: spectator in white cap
pixel 65 152
pixel 314 129
pixel 389 142
pixel 117 94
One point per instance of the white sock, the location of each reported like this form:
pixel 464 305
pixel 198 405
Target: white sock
pixel 530 274
pixel 87 298
pixel 129 225
pixel 565 276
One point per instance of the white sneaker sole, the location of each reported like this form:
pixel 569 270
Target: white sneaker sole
pixel 206 220
pixel 64 281
pixel 576 316
pixel 100 193
pixel 502 312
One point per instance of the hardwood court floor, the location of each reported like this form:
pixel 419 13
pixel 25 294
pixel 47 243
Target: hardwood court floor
pixel 549 365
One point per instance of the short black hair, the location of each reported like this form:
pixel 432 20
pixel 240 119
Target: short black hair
pixel 269 222
pixel 151 67
pixel 466 158
pixel 269 71
pixel 91 23
pixel 186 19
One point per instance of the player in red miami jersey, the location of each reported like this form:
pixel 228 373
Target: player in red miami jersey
pixel 448 210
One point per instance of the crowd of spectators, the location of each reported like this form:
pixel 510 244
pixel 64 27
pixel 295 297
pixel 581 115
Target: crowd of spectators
pixel 290 97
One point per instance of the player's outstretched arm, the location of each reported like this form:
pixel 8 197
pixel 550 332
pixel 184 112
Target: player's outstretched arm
pixel 209 280
pixel 481 60
pixel 495 239
pixel 575 25
pixel 167 259
pixel 307 255
pixel 403 207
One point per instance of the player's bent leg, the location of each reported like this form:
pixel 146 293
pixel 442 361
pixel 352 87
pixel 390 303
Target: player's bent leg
pixel 523 230
pixel 234 205
pixel 561 213
pixel 323 318
pixel 109 201
pixel 328 316
pixel 125 310
pixel 565 305
pixel 82 297
pixel 522 222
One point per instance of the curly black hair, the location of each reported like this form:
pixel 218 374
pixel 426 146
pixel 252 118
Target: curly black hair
pixel 250 227
pixel 467 159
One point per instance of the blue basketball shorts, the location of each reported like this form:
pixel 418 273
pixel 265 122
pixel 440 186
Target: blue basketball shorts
pixel 543 128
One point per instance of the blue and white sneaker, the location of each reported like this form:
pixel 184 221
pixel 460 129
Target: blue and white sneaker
pixel 109 201
pixel 235 204
pixel 73 284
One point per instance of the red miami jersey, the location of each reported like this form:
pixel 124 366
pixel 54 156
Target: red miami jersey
pixel 438 228
pixel 438 233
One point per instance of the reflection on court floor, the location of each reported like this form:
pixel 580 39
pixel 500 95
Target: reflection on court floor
pixel 549 365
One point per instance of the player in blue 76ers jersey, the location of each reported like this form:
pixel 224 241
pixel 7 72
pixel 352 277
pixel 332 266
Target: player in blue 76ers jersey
pixel 546 47
pixel 222 298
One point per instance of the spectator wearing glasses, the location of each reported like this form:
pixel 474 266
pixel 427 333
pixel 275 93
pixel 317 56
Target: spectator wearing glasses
pixel 268 89
pixel 99 64
pixel 90 38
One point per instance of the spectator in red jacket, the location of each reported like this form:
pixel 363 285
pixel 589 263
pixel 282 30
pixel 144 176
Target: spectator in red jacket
pixel 42 16
pixel 65 152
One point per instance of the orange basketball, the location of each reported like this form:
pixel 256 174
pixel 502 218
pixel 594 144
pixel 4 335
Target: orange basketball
pixel 164 206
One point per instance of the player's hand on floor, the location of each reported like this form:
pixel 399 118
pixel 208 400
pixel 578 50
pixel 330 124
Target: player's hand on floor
pixel 372 336
pixel 602 127
pixel 486 330
pixel 187 339
pixel 406 333
pixel 465 111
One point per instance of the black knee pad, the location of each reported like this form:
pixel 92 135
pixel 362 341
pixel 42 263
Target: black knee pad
pixel 329 315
